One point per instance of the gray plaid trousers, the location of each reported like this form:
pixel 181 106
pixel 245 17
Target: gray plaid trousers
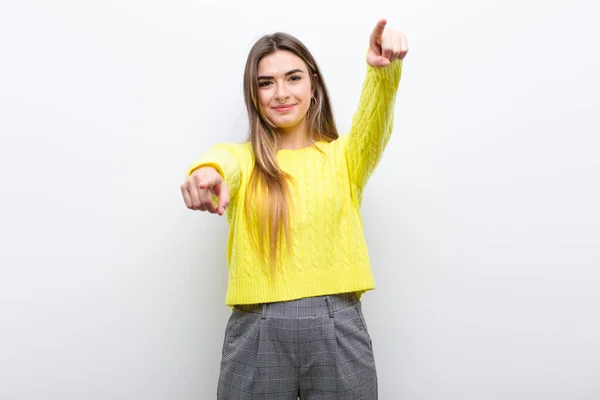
pixel 315 348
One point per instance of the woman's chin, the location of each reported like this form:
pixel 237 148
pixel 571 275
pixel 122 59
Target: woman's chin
pixel 286 124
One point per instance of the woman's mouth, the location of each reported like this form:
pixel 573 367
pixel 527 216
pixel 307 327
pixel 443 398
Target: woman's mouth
pixel 285 108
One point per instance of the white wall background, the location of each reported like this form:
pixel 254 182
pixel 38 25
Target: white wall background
pixel 482 219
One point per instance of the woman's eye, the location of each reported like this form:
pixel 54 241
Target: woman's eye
pixel 295 78
pixel 263 83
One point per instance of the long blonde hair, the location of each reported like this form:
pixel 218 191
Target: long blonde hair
pixel 269 185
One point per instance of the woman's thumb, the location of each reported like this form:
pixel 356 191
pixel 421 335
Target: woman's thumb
pixel 382 61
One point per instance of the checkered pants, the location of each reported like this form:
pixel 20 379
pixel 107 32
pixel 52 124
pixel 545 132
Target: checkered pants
pixel 315 348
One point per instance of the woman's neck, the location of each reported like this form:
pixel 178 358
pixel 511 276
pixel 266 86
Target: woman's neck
pixel 294 138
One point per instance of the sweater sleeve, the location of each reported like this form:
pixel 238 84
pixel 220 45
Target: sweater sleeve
pixel 372 124
pixel 222 157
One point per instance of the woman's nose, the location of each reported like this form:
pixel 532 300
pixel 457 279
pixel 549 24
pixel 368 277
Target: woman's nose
pixel 281 93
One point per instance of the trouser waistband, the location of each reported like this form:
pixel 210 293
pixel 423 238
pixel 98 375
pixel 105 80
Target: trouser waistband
pixel 305 307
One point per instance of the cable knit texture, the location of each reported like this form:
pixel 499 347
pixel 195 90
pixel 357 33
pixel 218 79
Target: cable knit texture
pixel 328 253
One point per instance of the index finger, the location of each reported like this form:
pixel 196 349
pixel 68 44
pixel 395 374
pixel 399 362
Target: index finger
pixel 223 195
pixel 378 30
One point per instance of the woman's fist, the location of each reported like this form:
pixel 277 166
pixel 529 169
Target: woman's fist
pixel 199 188
pixel 385 46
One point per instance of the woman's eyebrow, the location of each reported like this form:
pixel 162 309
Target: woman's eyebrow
pixel 294 71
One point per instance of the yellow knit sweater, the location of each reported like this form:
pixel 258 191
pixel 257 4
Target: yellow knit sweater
pixel 329 253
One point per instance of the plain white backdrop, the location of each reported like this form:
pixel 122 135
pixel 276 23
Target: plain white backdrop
pixel 482 219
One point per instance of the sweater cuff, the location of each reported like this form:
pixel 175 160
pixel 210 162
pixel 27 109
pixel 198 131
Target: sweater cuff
pixel 390 74
pixel 195 167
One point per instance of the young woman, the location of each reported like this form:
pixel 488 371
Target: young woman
pixel 297 256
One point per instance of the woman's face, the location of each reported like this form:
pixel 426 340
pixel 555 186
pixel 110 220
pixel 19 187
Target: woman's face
pixel 284 89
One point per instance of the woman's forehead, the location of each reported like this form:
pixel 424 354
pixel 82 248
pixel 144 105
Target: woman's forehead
pixel 280 62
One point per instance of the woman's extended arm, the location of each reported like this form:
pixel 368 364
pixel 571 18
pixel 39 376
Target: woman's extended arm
pixel 372 122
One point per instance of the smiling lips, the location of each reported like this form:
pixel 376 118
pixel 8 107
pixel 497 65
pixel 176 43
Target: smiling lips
pixel 284 108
